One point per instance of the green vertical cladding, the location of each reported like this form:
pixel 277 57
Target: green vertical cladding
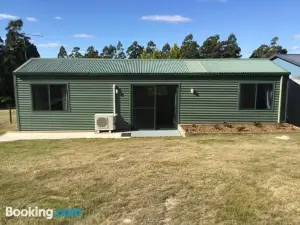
pixel 284 99
pixel 216 100
pixel 86 98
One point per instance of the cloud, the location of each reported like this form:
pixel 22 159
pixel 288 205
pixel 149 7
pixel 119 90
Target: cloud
pixel 296 36
pixel 8 17
pixel 295 48
pixel 83 36
pixel 50 45
pixel 36 33
pixel 31 19
pixel 167 18
pixel 58 18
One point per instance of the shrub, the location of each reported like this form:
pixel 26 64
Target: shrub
pixel 240 128
pixel 194 125
pixel 258 124
pixel 227 125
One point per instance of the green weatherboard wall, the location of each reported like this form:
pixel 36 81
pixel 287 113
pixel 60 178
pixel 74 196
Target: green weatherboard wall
pixel 215 101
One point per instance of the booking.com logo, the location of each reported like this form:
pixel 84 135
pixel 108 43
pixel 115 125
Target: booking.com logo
pixel 47 213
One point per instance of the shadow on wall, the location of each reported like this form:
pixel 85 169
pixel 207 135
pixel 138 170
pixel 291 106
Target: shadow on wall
pixel 293 108
pixel 122 124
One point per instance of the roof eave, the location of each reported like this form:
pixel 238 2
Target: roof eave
pixel 153 74
pixel 24 64
pixel 284 59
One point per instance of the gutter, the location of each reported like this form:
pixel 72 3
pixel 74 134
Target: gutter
pixel 17 103
pixel 114 99
pixel 280 99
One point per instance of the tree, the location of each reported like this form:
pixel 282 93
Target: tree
pixel 210 47
pixel 134 51
pixel 75 53
pixel 62 53
pixel 145 55
pixel 17 50
pixel 108 52
pixel 189 48
pixel 1 68
pixel 119 54
pixel 165 51
pixel 150 47
pixel 156 54
pixel 91 52
pixel 230 48
pixel 266 51
pixel 175 52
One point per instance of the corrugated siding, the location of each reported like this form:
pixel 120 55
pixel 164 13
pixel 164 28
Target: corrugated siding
pixel 216 101
pixel 135 67
pixel 87 97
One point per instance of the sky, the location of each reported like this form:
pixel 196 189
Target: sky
pixel 84 23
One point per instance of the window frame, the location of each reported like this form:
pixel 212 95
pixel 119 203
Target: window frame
pixel 257 83
pixel 48 88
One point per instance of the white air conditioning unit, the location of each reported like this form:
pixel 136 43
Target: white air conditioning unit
pixel 105 122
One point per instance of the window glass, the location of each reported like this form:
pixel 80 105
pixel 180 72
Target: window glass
pixel 247 96
pixel 40 97
pixel 56 101
pixel 58 97
pixel 256 96
pixel 264 98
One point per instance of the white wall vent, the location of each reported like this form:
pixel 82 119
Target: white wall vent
pixel 105 122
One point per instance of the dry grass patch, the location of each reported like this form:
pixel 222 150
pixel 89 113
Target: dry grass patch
pixel 210 179
pixel 4 120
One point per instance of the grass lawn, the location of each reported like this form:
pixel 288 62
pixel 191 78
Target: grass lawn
pixel 4 120
pixel 209 179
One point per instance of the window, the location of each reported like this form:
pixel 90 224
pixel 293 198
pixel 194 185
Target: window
pixel 49 97
pixel 256 96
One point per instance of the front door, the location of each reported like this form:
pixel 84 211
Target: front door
pixel 143 107
pixel 154 107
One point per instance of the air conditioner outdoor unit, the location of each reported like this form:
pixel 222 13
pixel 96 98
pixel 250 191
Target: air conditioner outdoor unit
pixel 105 122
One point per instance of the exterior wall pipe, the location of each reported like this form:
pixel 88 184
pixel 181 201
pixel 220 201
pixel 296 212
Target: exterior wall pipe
pixel 114 99
pixel 280 101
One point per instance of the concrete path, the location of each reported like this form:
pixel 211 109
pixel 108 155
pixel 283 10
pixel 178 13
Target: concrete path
pixel 15 136
pixel 155 133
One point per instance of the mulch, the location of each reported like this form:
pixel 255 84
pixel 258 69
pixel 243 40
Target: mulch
pixel 192 129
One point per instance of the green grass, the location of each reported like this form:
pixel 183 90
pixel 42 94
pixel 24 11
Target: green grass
pixel 209 179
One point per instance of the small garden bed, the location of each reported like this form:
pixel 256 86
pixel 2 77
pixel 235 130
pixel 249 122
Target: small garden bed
pixel 257 127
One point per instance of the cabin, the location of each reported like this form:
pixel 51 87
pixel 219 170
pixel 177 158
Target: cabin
pixel 66 94
pixel 291 63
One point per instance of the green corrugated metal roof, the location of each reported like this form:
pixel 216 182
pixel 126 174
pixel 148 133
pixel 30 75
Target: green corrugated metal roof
pixel 138 66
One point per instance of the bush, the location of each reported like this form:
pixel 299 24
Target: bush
pixel 258 124
pixel 227 125
pixel 240 128
pixel 194 125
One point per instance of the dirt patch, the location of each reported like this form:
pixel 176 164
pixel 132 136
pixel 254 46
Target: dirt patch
pixel 192 129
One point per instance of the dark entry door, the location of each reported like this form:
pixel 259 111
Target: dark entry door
pixel 165 106
pixel 143 107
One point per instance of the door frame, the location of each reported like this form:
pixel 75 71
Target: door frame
pixel 178 84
